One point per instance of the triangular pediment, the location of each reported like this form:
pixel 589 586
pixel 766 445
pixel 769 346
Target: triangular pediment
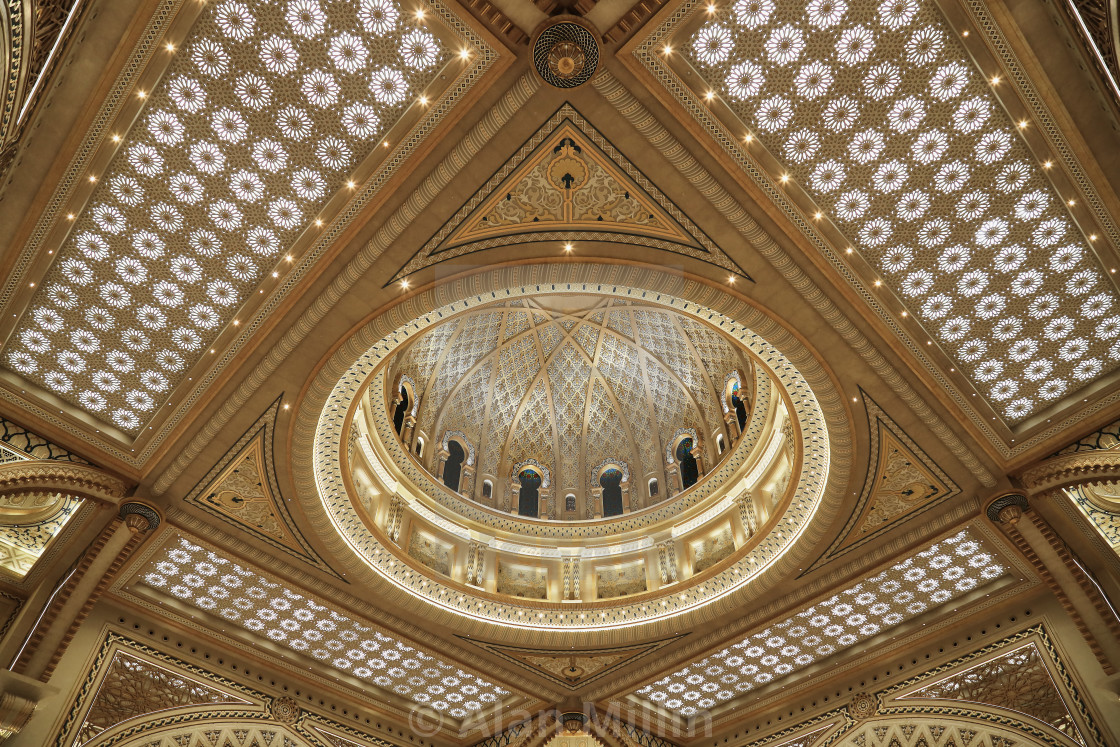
pixel 568 183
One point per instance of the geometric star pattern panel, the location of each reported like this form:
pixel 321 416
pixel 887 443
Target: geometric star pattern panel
pixel 260 118
pixel 941 573
pixel 876 111
pixel 269 608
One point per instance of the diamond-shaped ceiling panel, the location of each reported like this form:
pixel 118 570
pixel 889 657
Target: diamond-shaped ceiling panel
pixel 262 116
pixel 875 110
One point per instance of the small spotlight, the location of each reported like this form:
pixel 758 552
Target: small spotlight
pixel 731 280
pixel 748 137
pixel 711 9
pixel 568 247
pixel 1023 123
pixel 386 143
pixel 92 178
pixel 141 94
pixel 288 258
pixel 817 215
pixel 1092 237
pixel 464 53
pixel 878 283
pixel 116 138
pixel 710 95
pixel 236 323
pixel 275 274
pixel 286 405
pixel 423 100
pixel 319 222
pixel 419 14
pixel 850 250
pixel 404 283
pixel 170 47
pixel 69 216
pixel 1072 202
pixel 1048 164
pixel 350 184
pixel 905 314
pixel 668 49
pixel 785 178
pixel 995 80
pixel 964 33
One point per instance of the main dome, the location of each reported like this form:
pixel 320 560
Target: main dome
pixel 569 391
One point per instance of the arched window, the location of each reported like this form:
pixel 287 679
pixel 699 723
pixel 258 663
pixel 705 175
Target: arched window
pixel 739 405
pixel 611 482
pixel 653 488
pixel 529 498
pixel 401 411
pixel 689 471
pixel 719 443
pixel 569 502
pixel 453 467
pixel 419 446
pixel 487 489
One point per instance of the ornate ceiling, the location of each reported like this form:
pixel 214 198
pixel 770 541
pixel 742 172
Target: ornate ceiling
pixel 233 229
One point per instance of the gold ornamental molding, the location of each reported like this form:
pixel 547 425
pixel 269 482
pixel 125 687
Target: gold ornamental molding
pixel 21 480
pixel 1068 469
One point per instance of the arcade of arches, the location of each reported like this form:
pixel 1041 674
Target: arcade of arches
pixel 566 373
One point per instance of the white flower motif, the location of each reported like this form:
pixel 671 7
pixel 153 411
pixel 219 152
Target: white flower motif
pixel 937 306
pixel 1096 305
pixel 279 56
pixel 852 204
pixel 841 113
pixel 388 86
pixel 954 258
pixel 949 81
pixel 906 114
pixel 235 20
pixel 1012 177
pixel 126 419
pixel 855 45
pixel 134 339
pixel 1032 205
pixel 1026 283
pixel 378 16
pixel 898 258
pixel 320 88
pixel 115 295
pixel 186 187
pixel 62 296
pixel 151 317
pixel 142 401
pixel 1038 369
pixel 333 152
pixel 165 127
pixel 913 204
pixel 100 319
pixel 971 115
pixel 77 272
pixel 186 270
pixel 211 58
pixel 774 113
pixel 222 292
pixel 71 361
pixel 127 190
pixel 1073 349
pixel 802 145
pixel 814 79
pixel 58 381
pixel 207 157
pixel 146 159
pixel 1082 282
pixel 131 270
pixel 955 328
pixel 246 186
pixel 203 316
pixel 294 123
pixel 895 14
pixel 712 44
pixel 744 79
pixel 992 232
pixel 187 93
pixel 890 176
pixel 284 213
pixel 993 147
pixel 308 184
pixel 1059 328
pixel 1010 258
pixel 1019 408
pixel 972 205
pixel 167 293
pixel 109 218
pixel 876 232
pixel 360 120
pixel 1053 388
pixel 262 241
pixel 952 176
pixel 972 350
pixel 828 175
pixel 882 80
pixel 91 400
pixel 785 45
pixel 988 370
pixel 1049 232
pixel 93 246
pixel 253 90
pixel 167 217
pixel 270 155
pixel 934 232
pixel 1043 306
pixel 972 283
pixel 241 267
pixel 990 306
pixel 1004 389
pixel 205 243
pixel 306 17
pixel 924 46
pixel 119 361
pixel 225 215
pixel 348 52
pixel 22 362
pixel 866 146
pixel 169 359
pixel 36 341
pixel 917 283
pixel 826 13
pixel 1087 369
pixel 185 338
pixel 754 13
pixel 229 125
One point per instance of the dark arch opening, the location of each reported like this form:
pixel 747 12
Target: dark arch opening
pixel 453 467
pixel 740 410
pixel 689 471
pixel 529 497
pixel 401 411
pixel 611 482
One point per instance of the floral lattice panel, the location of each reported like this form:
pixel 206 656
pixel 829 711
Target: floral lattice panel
pixel 876 111
pixel 263 115
pixel 269 608
pixel 942 573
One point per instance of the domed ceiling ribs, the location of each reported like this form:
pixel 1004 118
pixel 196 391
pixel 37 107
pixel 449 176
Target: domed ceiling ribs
pixel 571 387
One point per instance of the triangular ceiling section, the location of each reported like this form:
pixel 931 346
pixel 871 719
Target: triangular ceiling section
pixel 902 480
pixel 568 183
pixel 573 669
pixel 241 490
